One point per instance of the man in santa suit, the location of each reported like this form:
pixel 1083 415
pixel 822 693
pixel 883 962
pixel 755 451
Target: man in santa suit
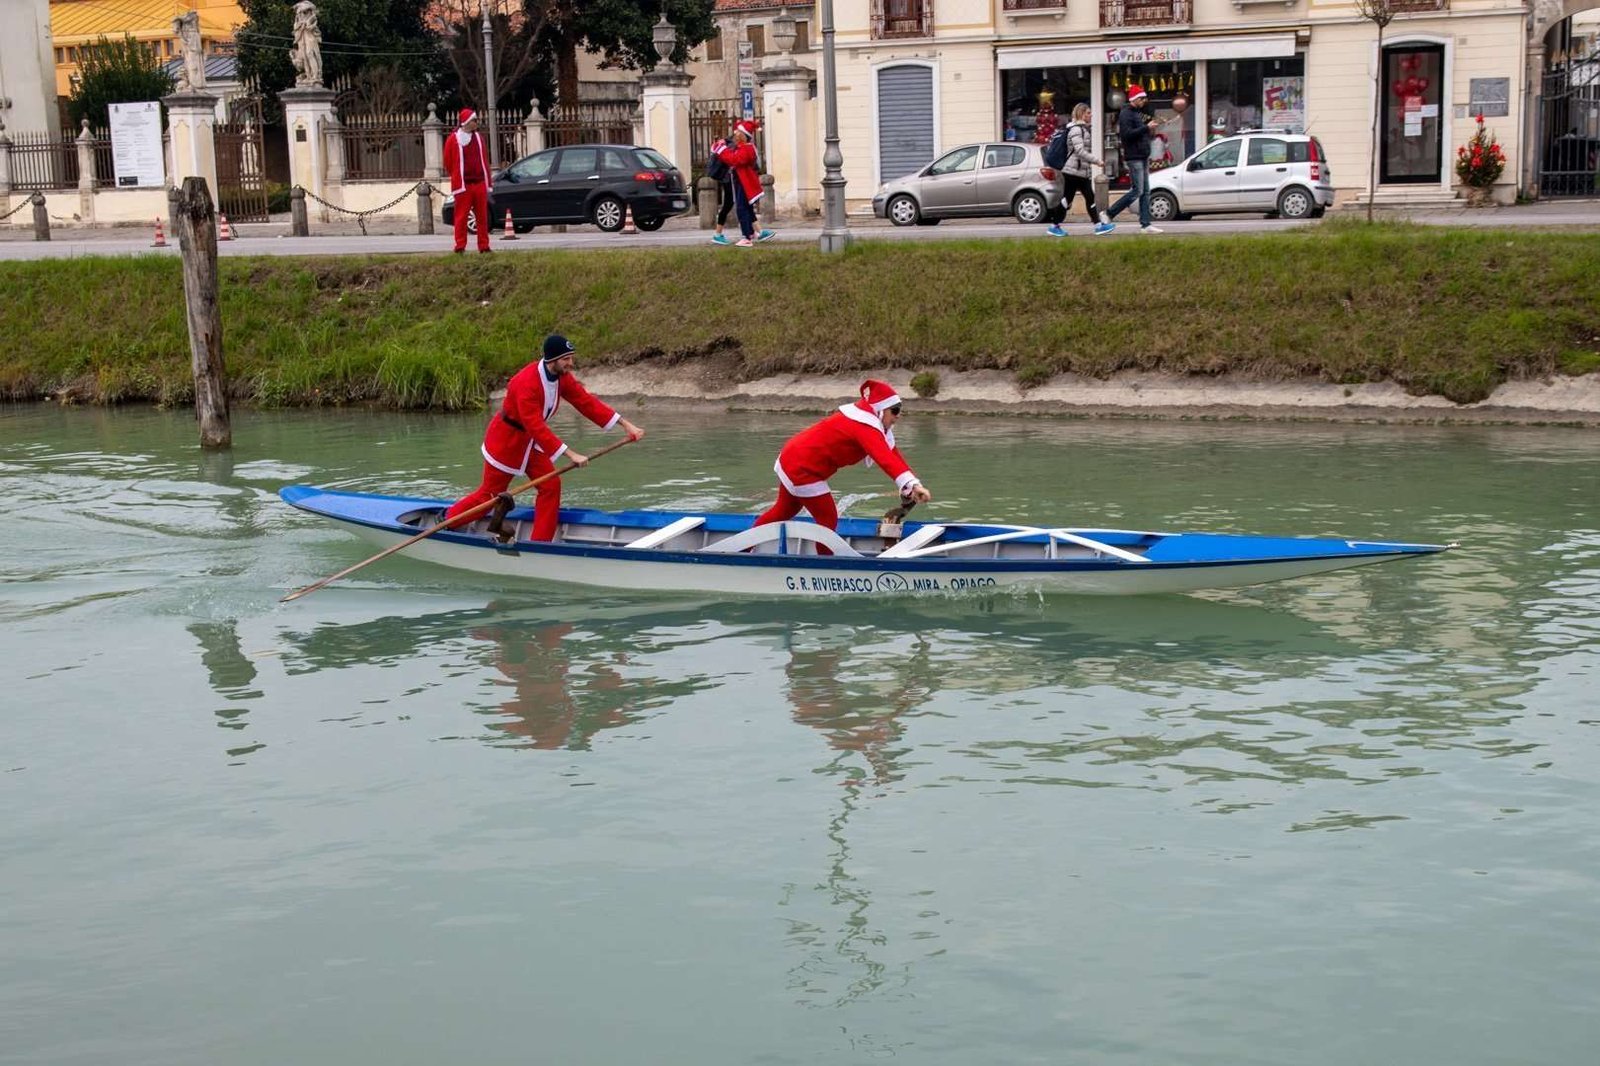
pixel 856 432
pixel 467 162
pixel 519 439
pixel 745 165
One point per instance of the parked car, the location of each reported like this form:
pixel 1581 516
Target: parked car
pixel 1279 174
pixel 975 180
pixel 585 183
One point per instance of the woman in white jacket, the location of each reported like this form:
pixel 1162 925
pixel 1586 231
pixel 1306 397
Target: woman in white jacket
pixel 1077 171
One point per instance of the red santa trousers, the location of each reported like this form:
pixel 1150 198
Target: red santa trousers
pixel 546 502
pixel 822 509
pixel 474 197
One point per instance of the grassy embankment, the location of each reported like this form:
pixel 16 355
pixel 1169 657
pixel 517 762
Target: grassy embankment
pixel 1451 312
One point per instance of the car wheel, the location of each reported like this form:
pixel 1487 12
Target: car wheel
pixel 1163 206
pixel 903 211
pixel 650 225
pixel 1295 202
pixel 607 213
pixel 1029 207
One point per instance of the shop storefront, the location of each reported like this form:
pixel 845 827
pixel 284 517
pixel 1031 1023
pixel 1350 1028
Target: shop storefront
pixel 1199 88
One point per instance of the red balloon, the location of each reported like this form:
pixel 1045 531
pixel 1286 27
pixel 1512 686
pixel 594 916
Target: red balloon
pixel 1422 85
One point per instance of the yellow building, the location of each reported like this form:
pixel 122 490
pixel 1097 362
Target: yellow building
pixel 76 23
pixel 917 77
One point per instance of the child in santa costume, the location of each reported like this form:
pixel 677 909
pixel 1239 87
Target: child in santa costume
pixel 467 163
pixel 741 158
pixel 856 432
pixel 519 439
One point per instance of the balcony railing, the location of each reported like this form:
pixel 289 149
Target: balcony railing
pixel 901 18
pixel 1033 5
pixel 1118 13
pixel 1406 7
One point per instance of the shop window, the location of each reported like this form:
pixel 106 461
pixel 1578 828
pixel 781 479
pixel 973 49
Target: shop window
pixel 1256 94
pixel 1173 139
pixel 714 47
pixel 1024 97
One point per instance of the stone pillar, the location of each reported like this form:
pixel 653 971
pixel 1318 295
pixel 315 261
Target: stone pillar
pixel 5 164
pixel 192 121
pixel 666 115
pixel 432 146
pixel 306 112
pixel 533 129
pixel 86 175
pixel 637 120
pixel 789 137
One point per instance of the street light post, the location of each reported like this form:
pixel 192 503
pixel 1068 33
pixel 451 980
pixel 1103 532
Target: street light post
pixel 835 232
pixel 488 90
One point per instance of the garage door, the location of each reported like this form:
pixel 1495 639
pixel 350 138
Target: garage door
pixel 905 120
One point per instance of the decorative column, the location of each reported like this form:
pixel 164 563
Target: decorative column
pixel 533 129
pixel 192 121
pixel 432 146
pixel 86 173
pixel 5 164
pixel 666 115
pixel 790 128
pixel 306 114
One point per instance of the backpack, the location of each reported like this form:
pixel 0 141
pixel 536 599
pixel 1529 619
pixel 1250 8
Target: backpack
pixel 716 169
pixel 1055 152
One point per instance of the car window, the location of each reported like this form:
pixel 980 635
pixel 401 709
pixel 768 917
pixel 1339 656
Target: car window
pixel 1002 155
pixel 577 162
pixel 612 162
pixel 653 159
pixel 1221 154
pixel 1299 151
pixel 535 166
pixel 961 159
pixel 1268 152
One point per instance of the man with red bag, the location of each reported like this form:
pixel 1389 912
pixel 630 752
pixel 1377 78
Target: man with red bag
pixel 466 160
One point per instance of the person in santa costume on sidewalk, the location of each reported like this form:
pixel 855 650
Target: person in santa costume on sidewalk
pixel 856 432
pixel 519 440
pixel 742 160
pixel 467 162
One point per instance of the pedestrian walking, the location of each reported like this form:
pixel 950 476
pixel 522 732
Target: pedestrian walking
pixel 722 174
pixel 1134 124
pixel 741 159
pixel 1077 171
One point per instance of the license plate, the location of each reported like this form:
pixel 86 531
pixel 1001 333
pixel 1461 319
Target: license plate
pixel 680 204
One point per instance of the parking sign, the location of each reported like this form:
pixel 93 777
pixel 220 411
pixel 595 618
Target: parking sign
pixel 747 102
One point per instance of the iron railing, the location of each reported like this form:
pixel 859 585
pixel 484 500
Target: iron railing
pixel 1033 5
pixel 598 122
pixel 901 18
pixel 1404 7
pixel 50 161
pixel 1118 13
pixel 383 147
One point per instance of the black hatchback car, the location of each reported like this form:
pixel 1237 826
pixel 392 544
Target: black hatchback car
pixel 585 183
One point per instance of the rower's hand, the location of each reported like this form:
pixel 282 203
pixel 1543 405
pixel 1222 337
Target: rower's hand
pixel 577 458
pixel 919 494
pixel 633 431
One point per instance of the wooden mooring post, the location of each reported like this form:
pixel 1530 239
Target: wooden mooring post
pixel 197 237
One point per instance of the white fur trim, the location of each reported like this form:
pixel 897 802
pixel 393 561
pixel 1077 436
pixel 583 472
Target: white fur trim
pixel 815 488
pixel 463 138
pixel 503 468
pixel 614 420
pixel 559 452
pixel 856 414
pixel 905 481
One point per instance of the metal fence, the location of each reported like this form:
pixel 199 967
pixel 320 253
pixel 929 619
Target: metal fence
pixel 708 121
pixel 599 122
pixel 383 147
pixel 50 161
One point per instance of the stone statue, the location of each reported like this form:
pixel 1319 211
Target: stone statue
pixel 192 75
pixel 307 53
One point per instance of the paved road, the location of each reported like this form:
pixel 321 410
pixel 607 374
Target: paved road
pixel 270 239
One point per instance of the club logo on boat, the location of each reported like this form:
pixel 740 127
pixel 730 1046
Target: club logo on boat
pixel 893 583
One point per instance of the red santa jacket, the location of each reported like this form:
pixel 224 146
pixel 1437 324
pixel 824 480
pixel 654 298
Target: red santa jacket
pixel 523 422
pixel 746 167
pixel 846 437
pixel 465 160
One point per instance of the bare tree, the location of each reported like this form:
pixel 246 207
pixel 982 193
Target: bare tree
pixel 519 27
pixel 1380 13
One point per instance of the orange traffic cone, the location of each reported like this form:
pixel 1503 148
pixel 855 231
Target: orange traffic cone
pixel 161 238
pixel 627 221
pixel 224 231
pixel 511 230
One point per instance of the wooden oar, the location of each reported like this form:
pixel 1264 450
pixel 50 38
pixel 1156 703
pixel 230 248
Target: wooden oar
pixel 464 516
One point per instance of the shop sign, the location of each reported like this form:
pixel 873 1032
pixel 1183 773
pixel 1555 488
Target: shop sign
pixel 1283 103
pixel 1155 53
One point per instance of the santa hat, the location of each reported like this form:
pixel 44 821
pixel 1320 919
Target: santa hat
pixel 877 396
pixel 748 127
pixel 1136 92
pixel 466 116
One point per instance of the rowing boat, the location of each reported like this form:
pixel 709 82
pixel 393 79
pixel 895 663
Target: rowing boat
pixel 728 553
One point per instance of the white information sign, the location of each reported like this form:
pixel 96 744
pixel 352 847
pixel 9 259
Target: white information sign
pixel 136 155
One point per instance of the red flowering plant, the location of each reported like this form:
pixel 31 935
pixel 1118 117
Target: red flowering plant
pixel 1480 161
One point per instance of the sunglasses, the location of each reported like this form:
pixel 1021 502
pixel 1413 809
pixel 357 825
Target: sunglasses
pixel 895 410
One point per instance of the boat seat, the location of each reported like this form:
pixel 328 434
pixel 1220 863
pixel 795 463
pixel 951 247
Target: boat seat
pixel 793 532
pixel 657 537
pixel 924 536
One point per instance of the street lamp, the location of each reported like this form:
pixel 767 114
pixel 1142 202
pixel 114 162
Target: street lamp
pixel 783 31
pixel 488 91
pixel 664 35
pixel 835 234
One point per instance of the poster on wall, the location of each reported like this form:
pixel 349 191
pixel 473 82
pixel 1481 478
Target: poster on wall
pixel 136 156
pixel 1283 103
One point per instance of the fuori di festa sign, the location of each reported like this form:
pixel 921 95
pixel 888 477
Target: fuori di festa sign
pixel 1155 53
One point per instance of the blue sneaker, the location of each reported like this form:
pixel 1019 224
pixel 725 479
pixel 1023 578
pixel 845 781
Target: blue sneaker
pixel 1055 231
pixel 720 238
pixel 765 235
pixel 1103 228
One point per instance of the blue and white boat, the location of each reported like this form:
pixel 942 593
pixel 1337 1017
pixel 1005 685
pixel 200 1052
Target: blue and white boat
pixel 727 553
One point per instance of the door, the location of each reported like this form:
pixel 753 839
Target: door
pixel 576 175
pixel 524 188
pixel 1412 149
pixel 1000 176
pixel 905 120
pixel 1211 179
pixel 950 185
pixel 1266 170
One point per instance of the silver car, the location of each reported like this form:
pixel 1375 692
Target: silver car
pixel 1276 173
pixel 975 180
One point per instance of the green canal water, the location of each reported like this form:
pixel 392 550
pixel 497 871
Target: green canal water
pixel 422 818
